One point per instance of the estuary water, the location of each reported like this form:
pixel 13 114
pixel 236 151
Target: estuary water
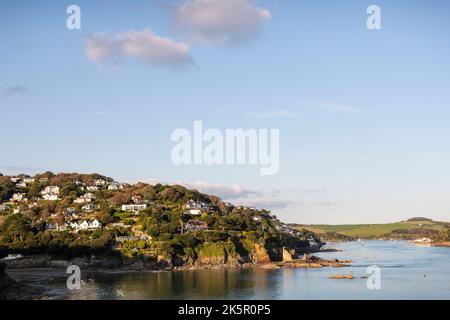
pixel 407 271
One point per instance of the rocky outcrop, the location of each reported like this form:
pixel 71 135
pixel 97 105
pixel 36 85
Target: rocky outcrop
pixel 260 255
pixel 287 256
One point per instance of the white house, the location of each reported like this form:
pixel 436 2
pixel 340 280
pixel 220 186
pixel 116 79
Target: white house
pixel 56 227
pixel 86 225
pixel 118 225
pixel 115 186
pixel 194 212
pixel 51 190
pixel 134 207
pixel 100 182
pixel 50 193
pixel 87 197
pixel 3 207
pixel 92 188
pixel 28 180
pixel 21 184
pixel 14 179
pixel 137 199
pixel 95 224
pixel 192 204
pixel 16 211
pixel 19 197
pixel 89 207
pixel 195 225
pixel 50 197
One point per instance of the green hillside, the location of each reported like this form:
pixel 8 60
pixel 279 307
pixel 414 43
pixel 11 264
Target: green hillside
pixel 411 228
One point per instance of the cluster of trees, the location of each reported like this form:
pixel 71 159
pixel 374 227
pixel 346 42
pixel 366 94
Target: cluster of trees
pixel 443 235
pixel 18 235
pixel 234 228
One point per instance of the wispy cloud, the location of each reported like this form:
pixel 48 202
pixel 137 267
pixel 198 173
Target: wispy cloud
pixel 340 108
pixel 275 199
pixel 144 47
pixel 222 191
pixel 19 90
pixel 276 114
pixel 218 22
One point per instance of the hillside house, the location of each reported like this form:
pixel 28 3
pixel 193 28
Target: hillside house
pixel 134 207
pixel 193 212
pixel 137 199
pixel 51 190
pixel 85 198
pixel 114 186
pixel 19 197
pixel 85 225
pixel 28 180
pixel 50 193
pixel 50 197
pixel 195 225
pixel 192 204
pixel 100 182
pixel 88 208
pixel 21 185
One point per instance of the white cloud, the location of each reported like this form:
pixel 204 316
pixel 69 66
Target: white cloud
pixel 219 22
pixel 140 46
pixel 277 114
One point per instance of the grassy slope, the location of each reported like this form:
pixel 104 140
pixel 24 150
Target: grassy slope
pixel 371 230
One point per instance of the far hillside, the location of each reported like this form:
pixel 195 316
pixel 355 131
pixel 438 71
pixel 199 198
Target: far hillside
pixel 411 229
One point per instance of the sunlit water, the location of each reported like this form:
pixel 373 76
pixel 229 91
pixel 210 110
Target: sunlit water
pixel 407 272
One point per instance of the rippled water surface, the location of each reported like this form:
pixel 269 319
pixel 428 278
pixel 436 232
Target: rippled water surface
pixel 407 272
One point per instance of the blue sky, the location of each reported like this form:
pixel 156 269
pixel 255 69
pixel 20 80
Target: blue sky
pixel 363 115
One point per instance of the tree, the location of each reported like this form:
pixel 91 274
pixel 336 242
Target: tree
pixel 6 188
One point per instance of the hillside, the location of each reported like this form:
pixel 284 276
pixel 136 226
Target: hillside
pixel 411 229
pixel 68 216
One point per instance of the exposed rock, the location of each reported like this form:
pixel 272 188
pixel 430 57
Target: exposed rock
pixel 287 256
pixel 260 255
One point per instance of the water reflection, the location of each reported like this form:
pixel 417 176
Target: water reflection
pixel 408 272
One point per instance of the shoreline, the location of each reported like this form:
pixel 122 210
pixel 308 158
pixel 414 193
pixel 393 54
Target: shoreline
pixel 22 290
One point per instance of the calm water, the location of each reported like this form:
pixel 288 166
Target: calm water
pixel 407 272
